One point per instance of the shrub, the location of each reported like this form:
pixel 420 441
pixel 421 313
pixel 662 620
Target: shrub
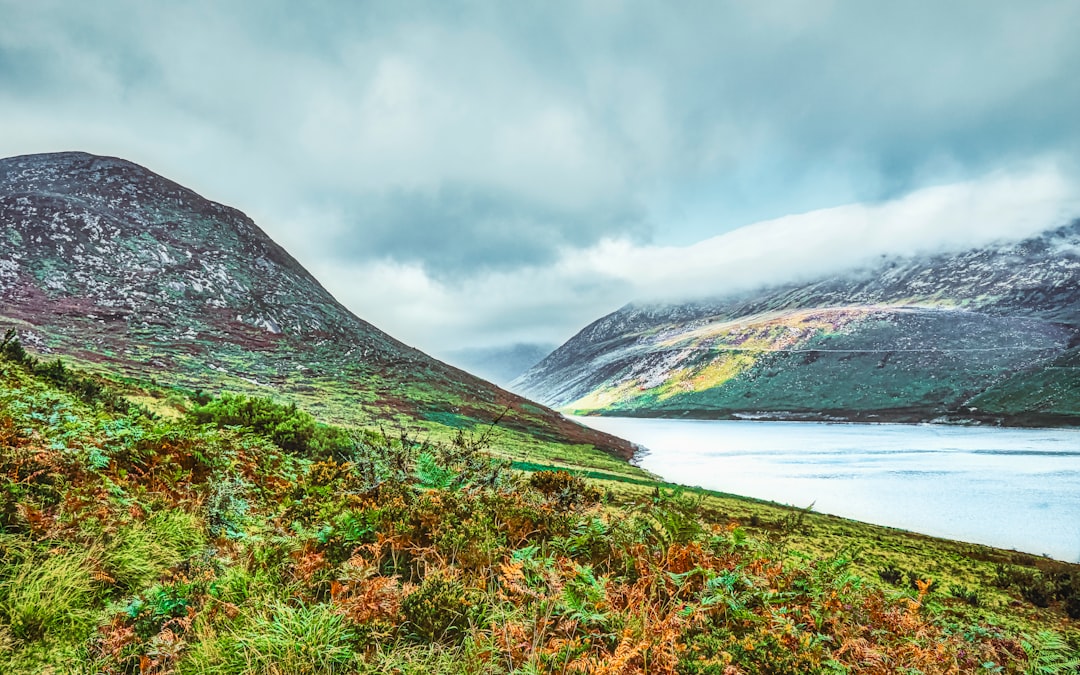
pixel 1032 585
pixel 89 390
pixel 675 516
pixel 1038 591
pixel 287 426
pixel 12 350
pixel 226 508
pixel 438 610
pixel 891 574
pixel 965 595
pixel 161 604
pixel 915 578
pixel 564 488
pixel 1072 605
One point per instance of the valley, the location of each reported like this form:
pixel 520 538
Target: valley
pixel 209 465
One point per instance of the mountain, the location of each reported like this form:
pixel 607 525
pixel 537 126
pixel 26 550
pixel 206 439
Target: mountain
pixel 988 334
pixel 111 265
pixel 500 364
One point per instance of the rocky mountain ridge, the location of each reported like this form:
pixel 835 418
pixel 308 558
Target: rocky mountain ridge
pixel 914 339
pixel 103 261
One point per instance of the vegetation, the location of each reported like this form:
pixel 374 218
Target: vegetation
pixel 237 535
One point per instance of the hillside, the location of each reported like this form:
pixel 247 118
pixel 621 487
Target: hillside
pixel 241 537
pixel 119 269
pixel 990 334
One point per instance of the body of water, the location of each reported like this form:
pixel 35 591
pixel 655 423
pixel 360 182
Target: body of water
pixel 1012 488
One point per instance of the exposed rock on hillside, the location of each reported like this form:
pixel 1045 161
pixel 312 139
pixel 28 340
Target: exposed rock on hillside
pixel 989 334
pixel 107 262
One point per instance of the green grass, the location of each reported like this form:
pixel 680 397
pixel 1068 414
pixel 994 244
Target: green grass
pixel 141 552
pixel 279 640
pixel 45 597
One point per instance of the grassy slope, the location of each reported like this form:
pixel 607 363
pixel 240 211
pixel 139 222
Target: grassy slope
pixel 853 363
pixel 141 543
pixel 337 390
pixel 1050 390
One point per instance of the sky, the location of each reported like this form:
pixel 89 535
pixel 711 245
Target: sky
pixel 474 174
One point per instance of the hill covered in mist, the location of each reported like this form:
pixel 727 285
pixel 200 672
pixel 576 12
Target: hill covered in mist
pixel 988 334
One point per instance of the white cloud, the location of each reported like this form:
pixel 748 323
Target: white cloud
pixel 550 303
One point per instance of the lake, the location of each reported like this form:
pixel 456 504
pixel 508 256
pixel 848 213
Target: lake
pixel 1011 488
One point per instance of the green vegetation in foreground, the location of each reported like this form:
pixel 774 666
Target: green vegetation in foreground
pixel 236 535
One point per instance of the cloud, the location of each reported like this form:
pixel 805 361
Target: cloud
pixel 463 229
pixel 487 148
pixel 548 303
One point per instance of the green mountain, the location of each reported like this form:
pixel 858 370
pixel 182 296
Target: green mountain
pixel 989 334
pixel 121 270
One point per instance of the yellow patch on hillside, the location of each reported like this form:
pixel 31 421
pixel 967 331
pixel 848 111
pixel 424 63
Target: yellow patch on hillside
pixel 725 366
pixel 158 406
pixel 724 350
pixel 606 397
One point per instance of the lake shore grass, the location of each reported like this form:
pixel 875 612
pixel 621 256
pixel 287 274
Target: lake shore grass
pixel 874 548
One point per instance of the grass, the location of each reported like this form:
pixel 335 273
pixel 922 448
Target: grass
pixel 873 547
pixel 280 640
pixel 46 597
pixel 204 542
pixel 141 552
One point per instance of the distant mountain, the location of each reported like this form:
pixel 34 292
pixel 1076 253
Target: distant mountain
pixel 500 364
pixel 108 263
pixel 989 334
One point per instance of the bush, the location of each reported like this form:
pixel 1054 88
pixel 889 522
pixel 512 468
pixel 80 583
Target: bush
pixel 965 595
pixel 12 350
pixel 564 488
pixel 157 607
pixel 1072 605
pixel 226 508
pixel 88 389
pixel 288 427
pixel 891 575
pixel 439 610
pixel 674 516
pixel 1032 585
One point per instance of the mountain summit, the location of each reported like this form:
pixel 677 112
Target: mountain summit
pixel 115 241
pixel 987 334
pixel 106 262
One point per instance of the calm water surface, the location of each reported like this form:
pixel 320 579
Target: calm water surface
pixel 1013 488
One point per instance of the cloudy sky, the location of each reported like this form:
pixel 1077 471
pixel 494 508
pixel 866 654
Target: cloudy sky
pixel 481 173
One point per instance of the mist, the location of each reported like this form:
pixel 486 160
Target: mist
pixel 549 303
